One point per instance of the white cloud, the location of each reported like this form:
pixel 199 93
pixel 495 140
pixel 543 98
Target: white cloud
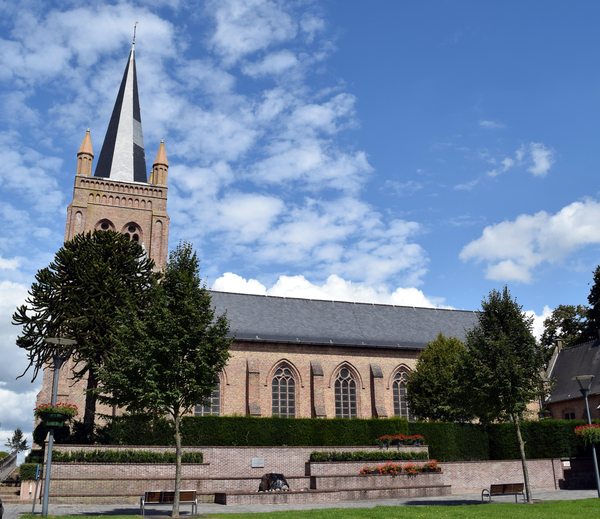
pixel 273 64
pixel 9 264
pixel 512 249
pixel 492 125
pixel 247 26
pixel 542 158
pixel 335 288
pixel 506 164
pixel 538 321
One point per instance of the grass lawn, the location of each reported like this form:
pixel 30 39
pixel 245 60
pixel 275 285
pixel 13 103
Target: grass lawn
pixel 584 508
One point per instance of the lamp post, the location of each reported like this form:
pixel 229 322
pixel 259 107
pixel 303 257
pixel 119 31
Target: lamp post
pixel 59 360
pixel 585 392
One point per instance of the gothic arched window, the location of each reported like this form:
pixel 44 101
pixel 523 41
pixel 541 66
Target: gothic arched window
pixel 345 395
pixel 213 409
pixel 399 389
pixel 284 393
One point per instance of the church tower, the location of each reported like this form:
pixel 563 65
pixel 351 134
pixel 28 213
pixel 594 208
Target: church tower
pixel 119 196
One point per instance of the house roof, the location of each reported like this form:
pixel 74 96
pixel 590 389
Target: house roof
pixel 307 321
pixel 583 359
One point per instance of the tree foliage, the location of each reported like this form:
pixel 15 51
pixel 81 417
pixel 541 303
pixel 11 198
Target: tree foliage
pixel 593 314
pixel 78 296
pixel 434 389
pixel 568 323
pixel 169 354
pixel 504 365
pixel 17 442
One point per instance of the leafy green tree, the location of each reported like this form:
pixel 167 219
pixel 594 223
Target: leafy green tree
pixel 78 296
pixel 168 354
pixel 503 366
pixel 434 389
pixel 568 323
pixel 593 314
pixel 18 442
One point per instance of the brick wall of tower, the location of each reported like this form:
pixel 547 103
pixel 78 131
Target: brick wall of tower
pixel 121 203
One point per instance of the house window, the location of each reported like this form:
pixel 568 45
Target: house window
pixel 213 409
pixel 569 415
pixel 400 405
pixel 345 395
pixel 284 393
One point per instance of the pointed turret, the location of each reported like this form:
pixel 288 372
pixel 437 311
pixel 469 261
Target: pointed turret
pixel 122 156
pixel 85 155
pixel 160 166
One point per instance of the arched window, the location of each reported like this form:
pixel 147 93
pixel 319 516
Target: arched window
pixel 399 389
pixel 345 395
pixel 213 409
pixel 284 393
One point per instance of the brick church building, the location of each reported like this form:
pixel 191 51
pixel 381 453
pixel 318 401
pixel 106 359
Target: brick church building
pixel 291 357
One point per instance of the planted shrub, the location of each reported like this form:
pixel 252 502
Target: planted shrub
pixel 367 456
pixel 124 456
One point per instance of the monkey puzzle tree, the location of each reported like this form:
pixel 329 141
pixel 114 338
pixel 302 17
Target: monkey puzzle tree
pixel 78 296
pixel 169 354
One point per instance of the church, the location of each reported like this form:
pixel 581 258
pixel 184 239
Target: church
pixel 290 357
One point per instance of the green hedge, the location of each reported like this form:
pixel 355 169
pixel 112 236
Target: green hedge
pixel 246 431
pixel 27 471
pixel 3 454
pixel 543 439
pixel 382 455
pixel 446 441
pixel 124 456
pixel 453 441
pixel 35 456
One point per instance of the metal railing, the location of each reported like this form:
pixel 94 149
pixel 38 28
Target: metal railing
pixel 7 465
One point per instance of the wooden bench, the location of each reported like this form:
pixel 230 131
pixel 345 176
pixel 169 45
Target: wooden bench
pixel 166 497
pixel 503 489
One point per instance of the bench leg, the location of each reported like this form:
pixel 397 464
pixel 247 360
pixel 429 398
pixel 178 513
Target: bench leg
pixel 142 507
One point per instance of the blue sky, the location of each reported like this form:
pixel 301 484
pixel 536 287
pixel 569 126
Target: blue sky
pixel 413 153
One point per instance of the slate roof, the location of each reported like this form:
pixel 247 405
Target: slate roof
pixel 583 359
pixel 122 156
pixel 308 321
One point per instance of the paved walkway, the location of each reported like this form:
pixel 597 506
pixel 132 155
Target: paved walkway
pixel 13 511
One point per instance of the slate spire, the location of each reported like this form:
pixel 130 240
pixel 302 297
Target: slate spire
pixel 122 156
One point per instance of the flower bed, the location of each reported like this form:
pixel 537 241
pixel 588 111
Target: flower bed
pixel 589 433
pixel 400 439
pixel 67 410
pixel 412 469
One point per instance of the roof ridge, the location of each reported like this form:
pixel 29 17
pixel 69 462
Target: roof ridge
pixel 346 302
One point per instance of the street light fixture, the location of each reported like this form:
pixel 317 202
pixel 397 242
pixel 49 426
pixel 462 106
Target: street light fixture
pixel 59 360
pixel 585 392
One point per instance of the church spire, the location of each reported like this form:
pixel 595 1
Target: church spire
pixel 122 156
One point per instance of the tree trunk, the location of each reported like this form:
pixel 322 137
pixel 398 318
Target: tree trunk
pixel 177 465
pixel 89 413
pixel 523 459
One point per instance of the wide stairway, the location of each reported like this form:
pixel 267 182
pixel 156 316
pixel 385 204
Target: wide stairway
pixel 11 488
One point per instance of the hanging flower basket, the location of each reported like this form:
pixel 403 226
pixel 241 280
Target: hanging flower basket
pixel 589 433
pixel 55 415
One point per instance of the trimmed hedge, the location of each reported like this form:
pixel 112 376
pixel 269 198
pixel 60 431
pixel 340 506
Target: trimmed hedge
pixel 27 471
pixel 35 456
pixel 124 456
pixel 233 431
pixel 3 454
pixel 449 441
pixel 367 456
pixel 446 441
